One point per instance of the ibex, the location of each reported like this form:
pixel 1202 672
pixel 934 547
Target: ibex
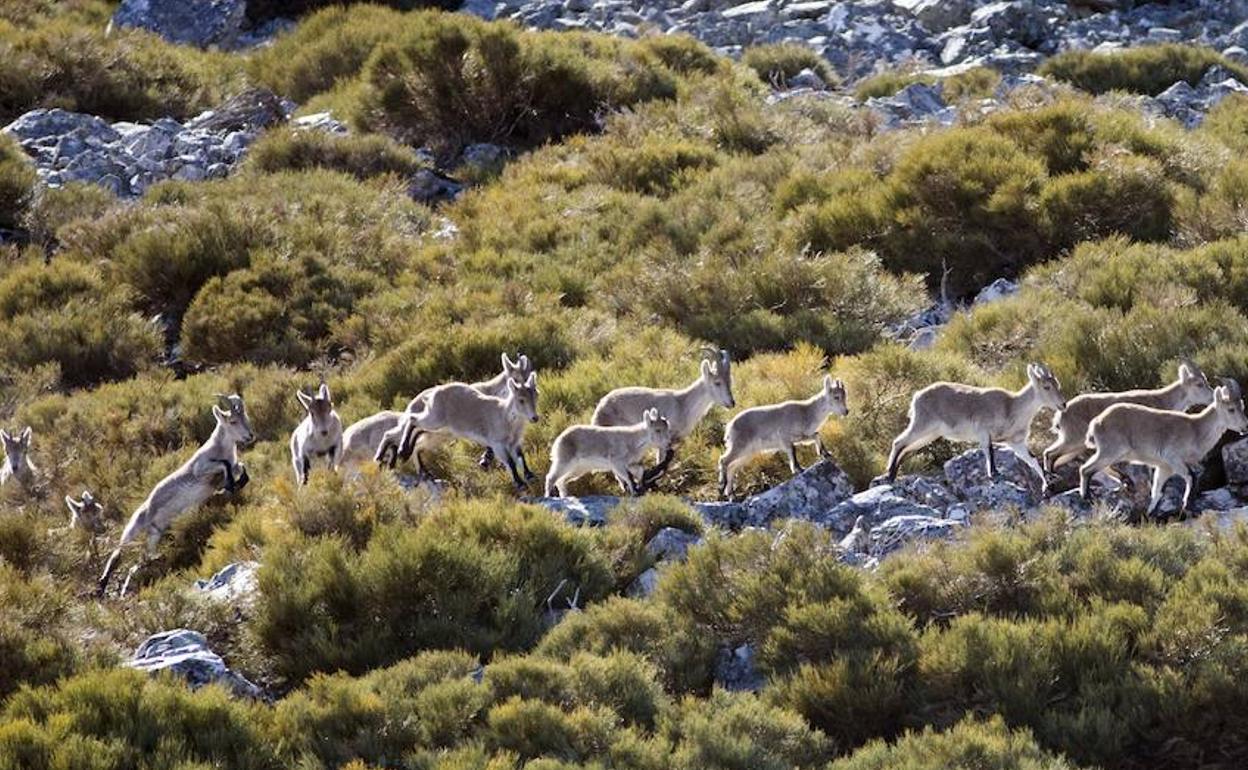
pixel 86 513
pixel 518 370
pixel 319 435
pixel 189 486
pixel 1071 424
pixel 1170 442
pixel 464 412
pixel 986 415
pixel 682 408
pixel 583 449
pixel 779 428
pixel 361 439
pixel 17 464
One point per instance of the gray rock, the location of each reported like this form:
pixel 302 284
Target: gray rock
pixel 589 511
pixel 200 23
pixel 897 532
pixel 671 544
pixel 735 670
pixel 1235 461
pixel 484 156
pixel 645 584
pixel 877 505
pixel 968 471
pixel 807 78
pixel 997 290
pixel 186 654
pixel 810 495
pixel 319 121
pixel 233 584
pixel 938 15
pixel 56 123
pixel 429 186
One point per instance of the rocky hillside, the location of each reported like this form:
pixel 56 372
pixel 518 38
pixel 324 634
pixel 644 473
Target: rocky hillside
pixel 255 197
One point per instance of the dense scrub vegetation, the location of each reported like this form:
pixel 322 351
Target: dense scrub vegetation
pixel 1145 70
pixel 652 203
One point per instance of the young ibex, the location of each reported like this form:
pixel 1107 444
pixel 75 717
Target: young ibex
pixel 986 415
pixel 1192 388
pixel 1168 441
pixel 584 449
pixel 361 439
pixel 682 408
pixel 467 413
pixel 86 513
pixel 319 435
pixel 779 428
pixel 189 486
pixel 518 370
pixel 17 464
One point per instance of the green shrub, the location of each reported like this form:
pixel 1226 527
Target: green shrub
pixel 683 54
pixel 735 731
pixel 275 310
pixel 120 718
pixel 987 744
pixel 129 75
pixel 1124 195
pixel 359 156
pixel 1145 70
pixel 975 83
pixel 36 643
pixel 57 207
pixel 470 575
pixel 777 62
pixel 261 10
pixel 1227 122
pixel 1063 134
pixel 961 197
pixel 17 183
pixel 449 80
pixel 64 313
pixel 657 167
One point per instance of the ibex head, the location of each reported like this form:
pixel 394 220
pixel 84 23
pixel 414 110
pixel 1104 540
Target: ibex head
pixel 231 414
pixel 525 395
pixel 717 373
pixel 17 447
pixel 1196 388
pixel 1046 385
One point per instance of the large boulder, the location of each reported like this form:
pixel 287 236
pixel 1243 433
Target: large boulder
pixel 590 510
pixel 234 584
pixel 671 544
pixel 811 495
pixel 1235 460
pixel 897 532
pixel 735 670
pixel 186 654
pixel 877 505
pixel 201 23
pixel 938 15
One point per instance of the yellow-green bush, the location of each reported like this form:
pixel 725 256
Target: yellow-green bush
pixel 777 62
pixel 17 182
pixel 968 744
pixel 1148 69
pixel 359 156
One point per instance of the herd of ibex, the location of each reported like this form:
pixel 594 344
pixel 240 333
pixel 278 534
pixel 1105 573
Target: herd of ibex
pixel 1150 427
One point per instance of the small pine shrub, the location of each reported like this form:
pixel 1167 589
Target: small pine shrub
pixel 683 54
pixel 17 183
pixel 57 207
pixel 990 743
pixel 1123 195
pixel 777 62
pixel 1147 70
pixel 359 156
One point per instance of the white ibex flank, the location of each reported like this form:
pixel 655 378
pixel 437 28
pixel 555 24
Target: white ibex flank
pixel 518 370
pixel 1169 442
pixel 985 415
pixel 1192 388
pixel 319 435
pixel 189 486
pixel 17 464
pixel 583 449
pixel 464 412
pixel 682 408
pixel 361 439
pixel 779 428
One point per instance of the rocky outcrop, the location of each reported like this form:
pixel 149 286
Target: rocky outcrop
pixel 186 654
pixel 201 23
pixel 812 495
pixel 234 585
pixel 127 158
pixel 735 670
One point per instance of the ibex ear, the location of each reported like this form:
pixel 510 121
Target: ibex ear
pixel 73 504
pixel 26 434
pixel 532 381
pixel 513 385
pixel 1185 373
pixel 524 363
pixel 507 364
pixel 706 368
pixel 828 384
pixel 304 399
pixel 839 385
pixel 219 413
pixel 323 393
pixel 4 435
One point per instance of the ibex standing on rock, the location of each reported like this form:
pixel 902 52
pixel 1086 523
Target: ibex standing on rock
pixel 464 412
pixel 682 408
pixel 189 486
pixel 1192 388
pixel 319 435
pixel 985 415
pixel 779 428
pixel 1169 442
pixel 17 464
pixel 583 449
